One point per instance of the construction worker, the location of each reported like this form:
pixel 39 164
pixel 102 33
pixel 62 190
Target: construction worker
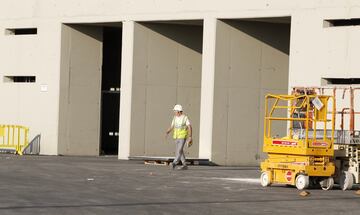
pixel 182 134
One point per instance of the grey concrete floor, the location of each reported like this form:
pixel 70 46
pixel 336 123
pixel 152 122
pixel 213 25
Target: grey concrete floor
pixel 105 185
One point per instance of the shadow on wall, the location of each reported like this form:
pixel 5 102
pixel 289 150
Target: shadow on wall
pixel 178 33
pixel 91 31
pixel 262 30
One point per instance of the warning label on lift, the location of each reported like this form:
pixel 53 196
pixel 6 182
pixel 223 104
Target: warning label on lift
pixel 288 175
pixel 284 143
pixel 324 144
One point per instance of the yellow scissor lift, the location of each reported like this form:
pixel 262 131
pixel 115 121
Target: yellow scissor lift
pixel 304 155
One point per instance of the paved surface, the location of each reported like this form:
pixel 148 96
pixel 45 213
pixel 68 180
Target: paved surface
pixel 105 185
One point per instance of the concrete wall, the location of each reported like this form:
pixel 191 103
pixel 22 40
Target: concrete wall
pixel 252 59
pixel 80 87
pixel 315 52
pixel 323 52
pixel 31 104
pixel 167 70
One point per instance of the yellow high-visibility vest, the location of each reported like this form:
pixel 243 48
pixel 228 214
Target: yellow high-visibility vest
pixel 180 131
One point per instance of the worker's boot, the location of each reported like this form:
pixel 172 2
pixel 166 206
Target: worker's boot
pixel 184 167
pixel 172 165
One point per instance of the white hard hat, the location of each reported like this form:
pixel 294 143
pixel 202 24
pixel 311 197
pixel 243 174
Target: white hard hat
pixel 178 108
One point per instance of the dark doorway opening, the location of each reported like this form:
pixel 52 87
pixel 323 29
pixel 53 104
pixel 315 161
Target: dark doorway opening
pixel 110 90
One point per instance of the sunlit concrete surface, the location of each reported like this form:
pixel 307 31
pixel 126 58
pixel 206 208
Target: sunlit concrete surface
pixel 218 59
pixel 105 185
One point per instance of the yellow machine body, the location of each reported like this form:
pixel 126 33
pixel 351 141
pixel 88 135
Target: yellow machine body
pixel 283 169
pixel 307 148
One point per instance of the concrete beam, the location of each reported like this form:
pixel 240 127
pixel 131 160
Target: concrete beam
pixel 207 88
pixel 126 89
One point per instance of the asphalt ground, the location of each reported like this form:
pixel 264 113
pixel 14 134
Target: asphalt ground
pixel 105 185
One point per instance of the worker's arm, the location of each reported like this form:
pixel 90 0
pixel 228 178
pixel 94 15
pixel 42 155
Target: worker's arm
pixel 189 131
pixel 169 129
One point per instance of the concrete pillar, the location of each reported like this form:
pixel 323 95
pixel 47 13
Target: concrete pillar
pixel 207 88
pixel 126 89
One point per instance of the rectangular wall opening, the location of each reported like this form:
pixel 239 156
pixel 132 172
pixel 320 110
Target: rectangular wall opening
pixel 340 81
pixel 19 79
pixel 167 71
pixel 20 31
pixel 90 89
pixel 341 22
pixel 252 59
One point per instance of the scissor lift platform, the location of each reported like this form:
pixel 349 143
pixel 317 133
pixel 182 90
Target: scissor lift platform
pixel 302 157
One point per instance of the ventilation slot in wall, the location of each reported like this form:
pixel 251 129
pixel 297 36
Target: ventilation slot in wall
pixel 340 81
pixel 20 31
pixel 340 22
pixel 19 79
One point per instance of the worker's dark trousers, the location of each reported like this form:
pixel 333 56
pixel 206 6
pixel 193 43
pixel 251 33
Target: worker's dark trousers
pixel 179 152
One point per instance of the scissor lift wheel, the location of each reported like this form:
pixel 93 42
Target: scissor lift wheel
pixel 302 182
pixel 265 179
pixel 327 183
pixel 346 180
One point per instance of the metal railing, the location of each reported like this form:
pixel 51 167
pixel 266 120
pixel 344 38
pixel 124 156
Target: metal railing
pixel 14 138
pixel 33 148
pixel 299 109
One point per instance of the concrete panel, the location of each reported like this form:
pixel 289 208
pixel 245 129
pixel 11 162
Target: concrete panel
pixel 160 100
pixel 138 105
pixel 318 51
pixel 353 53
pixel 222 54
pixel 242 128
pixel 252 59
pixel 80 90
pixel 337 52
pixel 274 75
pixel 221 100
pixel 220 125
pixel 167 68
pixel 64 88
pixel 162 60
pixel 189 73
pixel 245 58
pixel 140 62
